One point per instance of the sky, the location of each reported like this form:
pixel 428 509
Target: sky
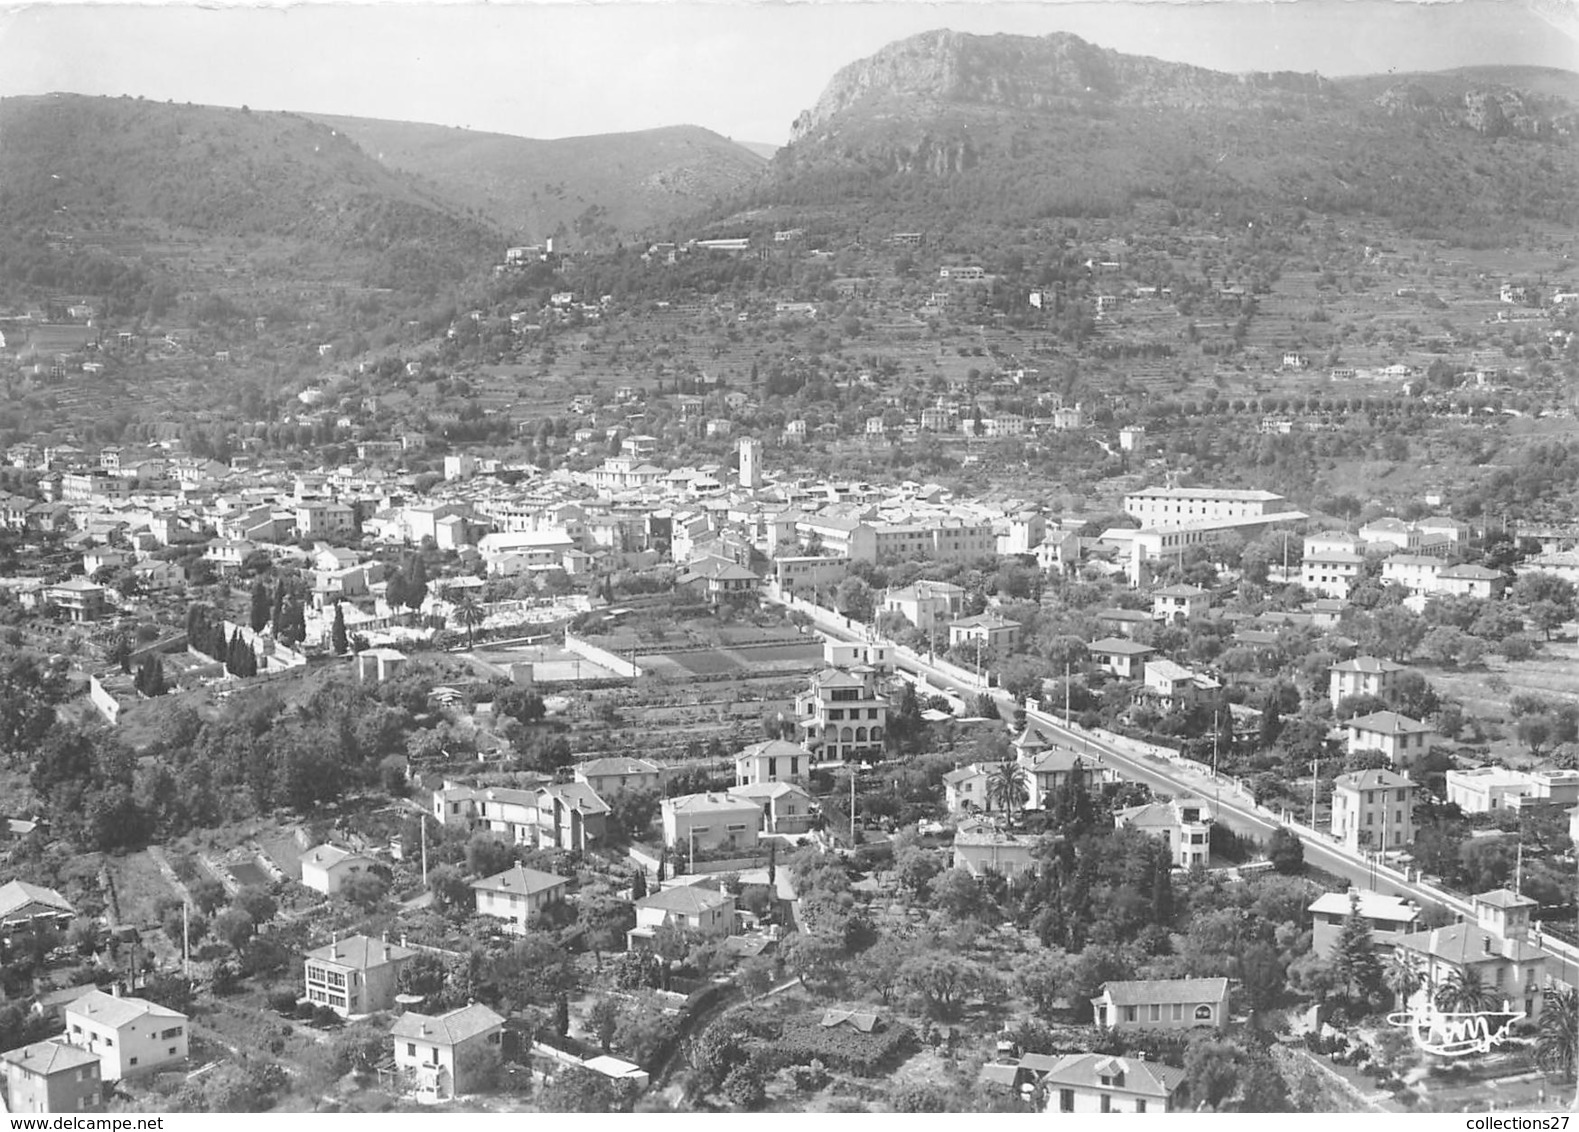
pixel 745 68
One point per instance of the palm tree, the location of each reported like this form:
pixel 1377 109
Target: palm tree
pixel 1403 976
pixel 1557 1033
pixel 1464 993
pixel 469 614
pixel 1007 788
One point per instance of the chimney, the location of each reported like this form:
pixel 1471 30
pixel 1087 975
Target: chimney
pixel 115 989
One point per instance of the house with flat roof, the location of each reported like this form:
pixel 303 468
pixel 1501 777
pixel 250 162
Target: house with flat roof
pixel 1162 1004
pixel 1184 824
pixel 1481 790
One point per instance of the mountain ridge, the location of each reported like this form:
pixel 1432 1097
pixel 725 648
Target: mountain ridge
pixel 947 125
pixel 594 187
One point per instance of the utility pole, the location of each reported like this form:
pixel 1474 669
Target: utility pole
pixel 1216 734
pixel 424 850
pixel 1066 693
pixel 852 805
pixel 1315 785
pixel 186 942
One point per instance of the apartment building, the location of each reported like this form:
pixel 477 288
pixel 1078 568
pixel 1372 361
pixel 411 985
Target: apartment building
pixel 1373 810
pixel 355 975
pixel 1331 573
pixel 1175 506
pixel 1363 676
pixel 1401 739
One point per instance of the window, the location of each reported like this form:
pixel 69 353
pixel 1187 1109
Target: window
pixel 1140 1105
pixel 1203 1012
pixel 1156 1012
pixel 1178 1012
pixel 1066 1100
pixel 411 1049
pixel 109 1041
pixel 173 1032
pixel 1129 1014
pixel 134 1061
pixel 172 1051
pixel 1107 1103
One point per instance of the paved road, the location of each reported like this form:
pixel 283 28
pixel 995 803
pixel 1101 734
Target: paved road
pixel 1235 811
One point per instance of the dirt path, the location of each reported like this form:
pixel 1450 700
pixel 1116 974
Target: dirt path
pixel 168 872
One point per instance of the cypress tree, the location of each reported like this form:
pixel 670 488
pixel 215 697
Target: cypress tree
pixel 639 884
pixel 417 583
pixel 279 605
pixel 260 606
pixel 342 643
pixel 1162 888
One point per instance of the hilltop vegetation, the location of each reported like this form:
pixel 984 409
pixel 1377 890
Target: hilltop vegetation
pixel 591 188
pixel 90 183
